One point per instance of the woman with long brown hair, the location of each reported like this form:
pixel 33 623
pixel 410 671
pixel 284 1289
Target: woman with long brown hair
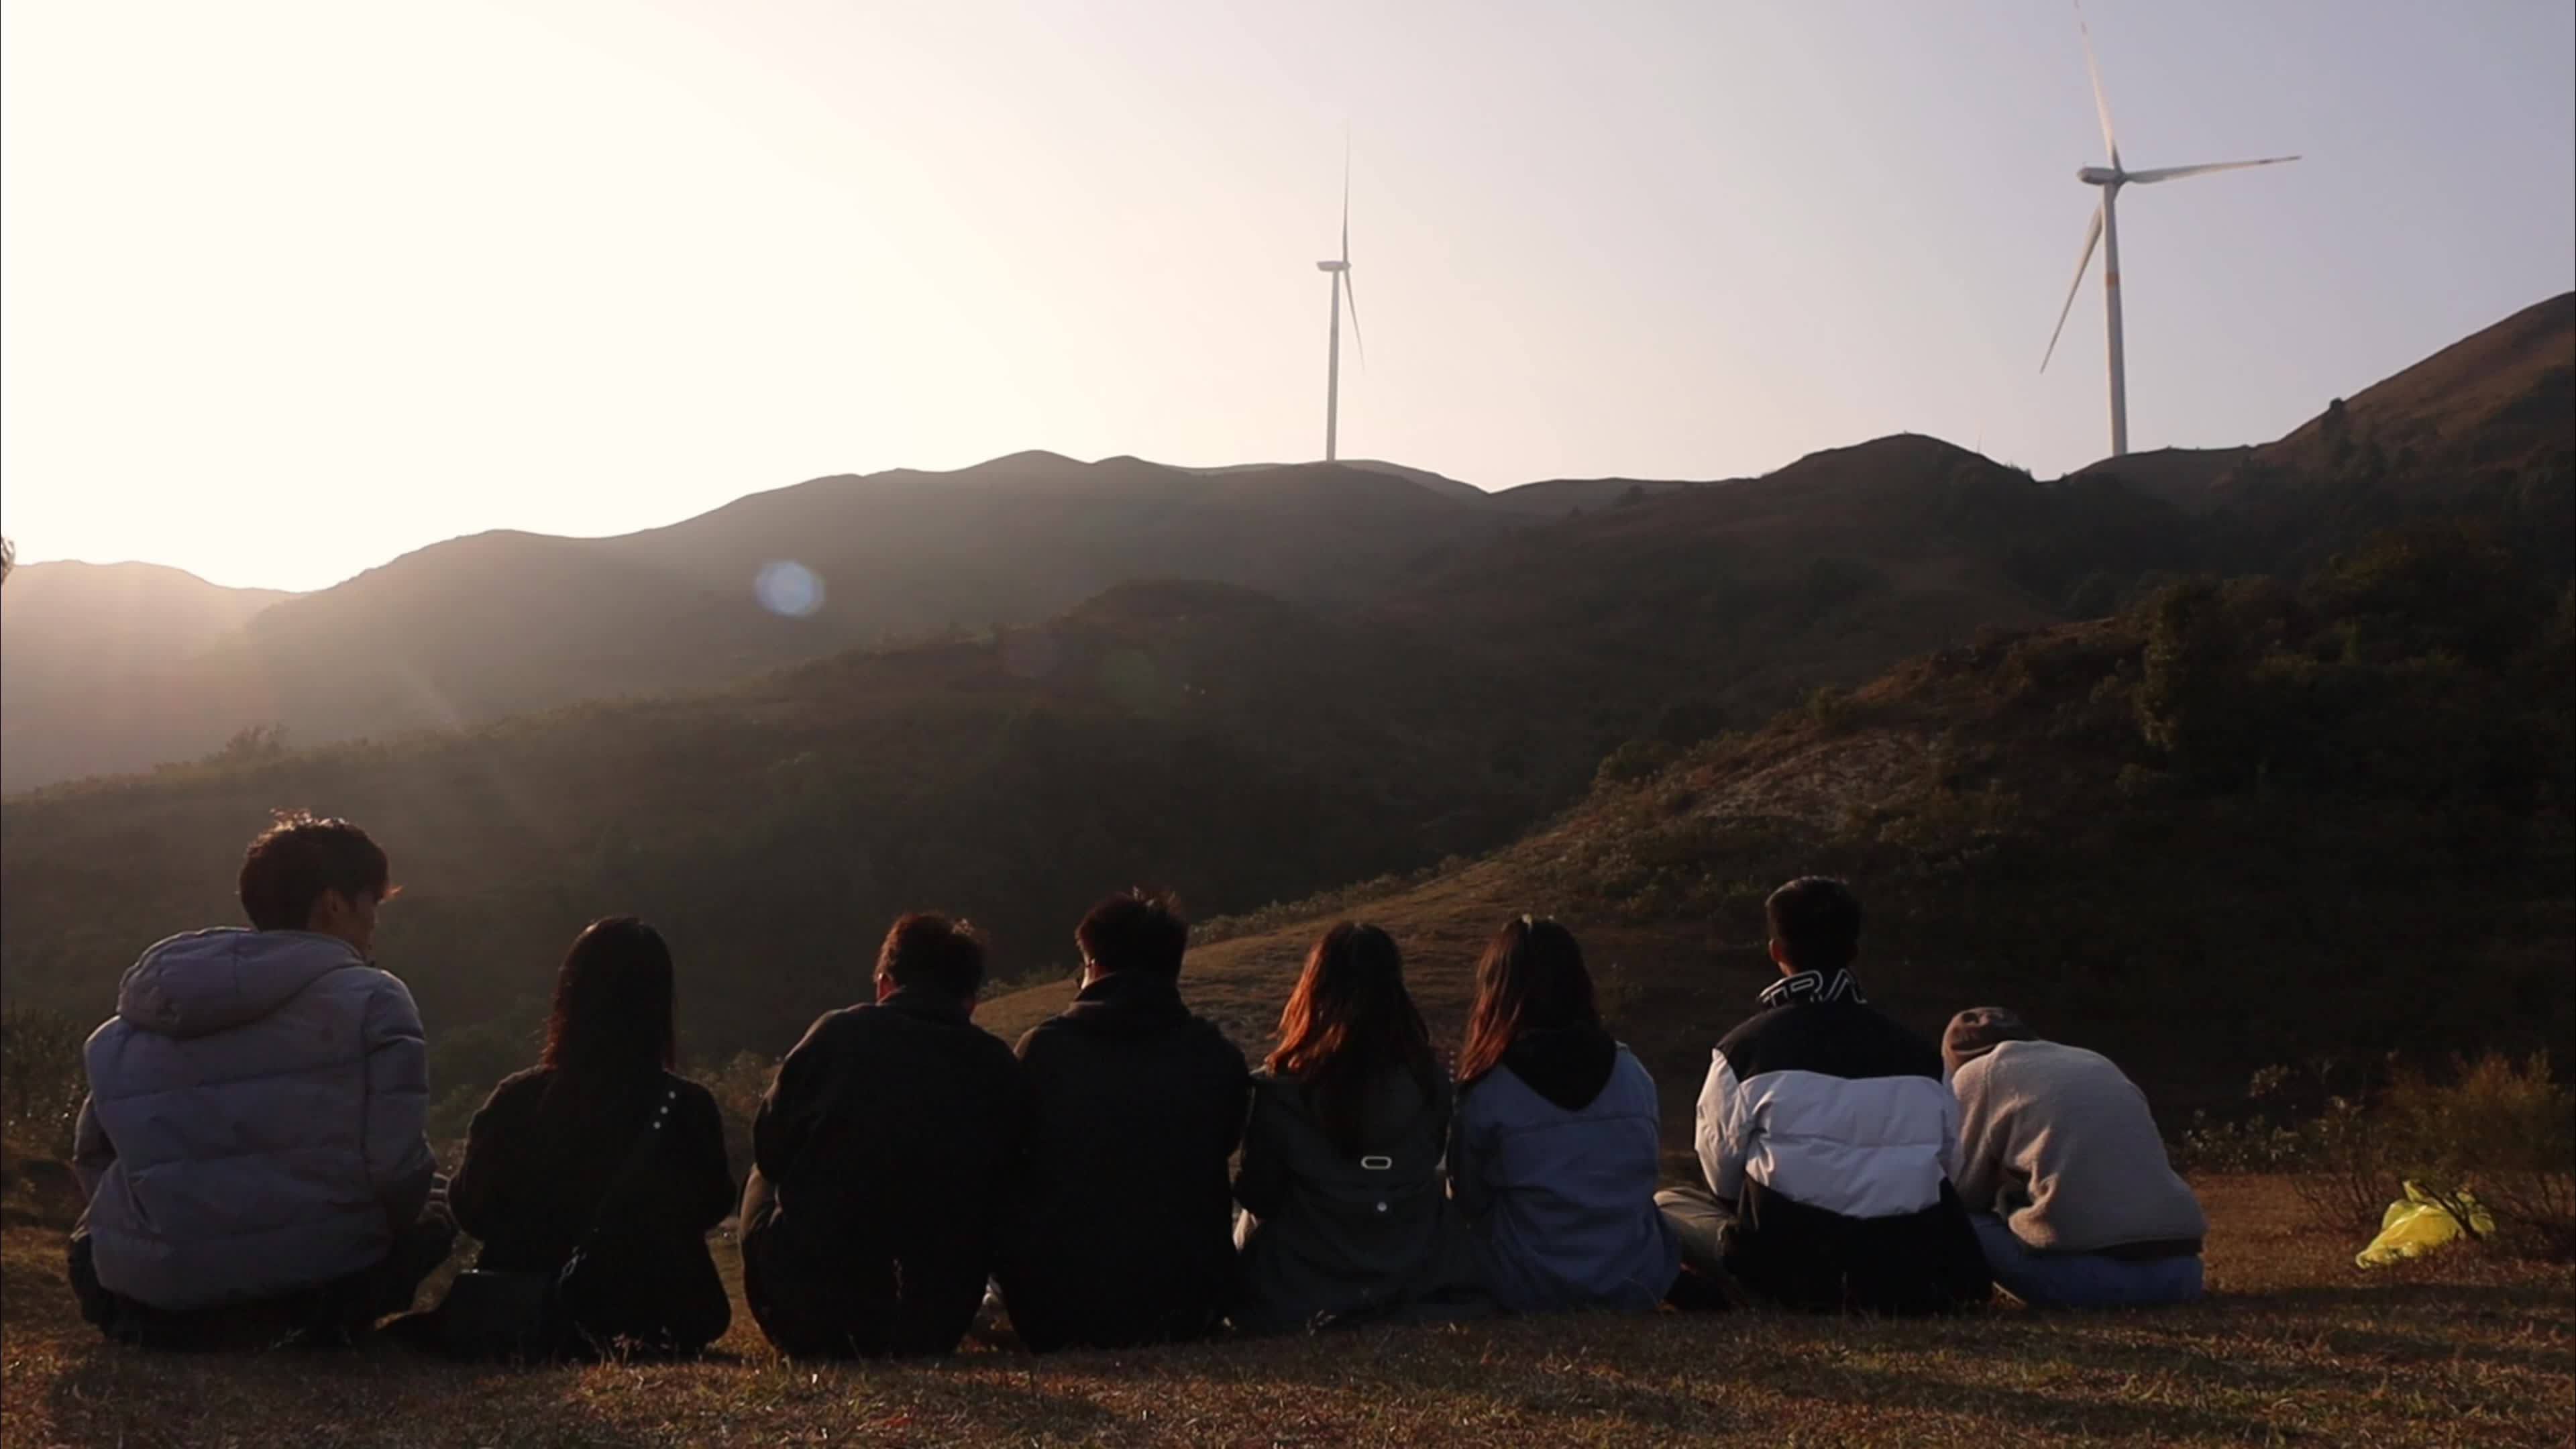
pixel 1554 1157
pixel 1344 1216
pixel 602 1149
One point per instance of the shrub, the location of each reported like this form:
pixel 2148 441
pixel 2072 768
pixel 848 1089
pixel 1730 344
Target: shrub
pixel 42 1078
pixel 1634 761
pixel 2501 1130
pixel 2336 1156
pixel 738 1086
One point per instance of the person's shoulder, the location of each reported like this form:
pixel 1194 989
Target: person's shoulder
pixel 1754 1031
pixel 518 1091
pixel 1279 1087
pixel 2046 1060
pixel 1220 1048
pixel 1837 1038
pixel 1053 1029
pixel 369 982
pixel 1629 1066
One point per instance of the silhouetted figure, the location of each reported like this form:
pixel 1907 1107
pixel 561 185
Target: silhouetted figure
pixel 2064 1173
pixel 1828 1138
pixel 883 1158
pixel 252 1143
pixel 1124 1229
pixel 601 1147
pixel 1346 1210
pixel 1553 1156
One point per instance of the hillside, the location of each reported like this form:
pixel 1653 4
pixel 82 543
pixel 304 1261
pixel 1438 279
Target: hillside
pixel 1717 605
pixel 2486 426
pixel 66 628
pixel 1558 497
pixel 2207 835
pixel 1248 749
pixel 1235 747
pixel 477 628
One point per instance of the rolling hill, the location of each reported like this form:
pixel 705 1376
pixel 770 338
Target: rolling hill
pixel 70 630
pixel 1432 684
pixel 1717 605
pixel 478 628
pixel 2205 836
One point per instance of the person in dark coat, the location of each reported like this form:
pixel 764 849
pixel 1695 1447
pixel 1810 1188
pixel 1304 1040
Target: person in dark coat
pixel 1346 1211
pixel 882 1160
pixel 566 1155
pixel 1124 1231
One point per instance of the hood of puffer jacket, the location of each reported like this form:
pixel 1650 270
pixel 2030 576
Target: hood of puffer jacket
pixel 210 981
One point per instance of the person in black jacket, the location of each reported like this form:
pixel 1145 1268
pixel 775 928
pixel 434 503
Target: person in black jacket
pixel 567 1155
pixel 1125 1213
pixel 1829 1137
pixel 882 1159
pixel 1346 1210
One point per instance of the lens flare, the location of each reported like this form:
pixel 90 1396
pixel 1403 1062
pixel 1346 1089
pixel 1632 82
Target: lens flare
pixel 788 587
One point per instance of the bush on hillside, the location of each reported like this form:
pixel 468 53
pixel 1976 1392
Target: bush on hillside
pixel 2501 1130
pixel 2337 1154
pixel 42 1078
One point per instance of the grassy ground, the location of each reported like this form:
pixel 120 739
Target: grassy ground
pixel 2295 1345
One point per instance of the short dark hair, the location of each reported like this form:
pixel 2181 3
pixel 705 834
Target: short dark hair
pixel 1816 920
pixel 297 859
pixel 1135 930
pixel 936 952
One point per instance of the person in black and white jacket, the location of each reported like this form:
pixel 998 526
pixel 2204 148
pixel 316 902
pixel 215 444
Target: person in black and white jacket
pixel 1828 1135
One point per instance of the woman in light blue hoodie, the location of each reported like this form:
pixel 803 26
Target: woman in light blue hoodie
pixel 1553 1156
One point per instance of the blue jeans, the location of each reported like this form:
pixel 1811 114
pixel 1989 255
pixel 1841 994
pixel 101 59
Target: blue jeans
pixel 2083 1280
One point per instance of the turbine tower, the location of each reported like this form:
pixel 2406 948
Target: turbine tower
pixel 2105 229
pixel 1340 271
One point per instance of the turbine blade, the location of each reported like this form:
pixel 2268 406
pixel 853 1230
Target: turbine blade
pixel 1346 200
pixel 1356 340
pixel 2101 102
pixel 2092 237
pixel 2175 173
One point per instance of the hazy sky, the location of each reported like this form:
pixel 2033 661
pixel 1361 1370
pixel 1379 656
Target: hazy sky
pixel 291 288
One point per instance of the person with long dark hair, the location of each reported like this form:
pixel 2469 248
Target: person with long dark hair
pixel 1553 1159
pixel 602 1149
pixel 1346 1217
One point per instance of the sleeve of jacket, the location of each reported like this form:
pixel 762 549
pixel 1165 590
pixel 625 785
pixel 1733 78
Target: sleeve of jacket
pixel 1980 1142
pixel 1261 1183
pixel 709 1196
pixel 1719 1131
pixel 399 1163
pixel 478 1195
pixel 779 1128
pixel 1238 1083
pixel 91 1151
pixel 1470 1148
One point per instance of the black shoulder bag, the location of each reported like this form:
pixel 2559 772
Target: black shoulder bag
pixel 529 1314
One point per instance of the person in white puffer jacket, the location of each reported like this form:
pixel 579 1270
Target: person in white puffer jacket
pixel 252 1144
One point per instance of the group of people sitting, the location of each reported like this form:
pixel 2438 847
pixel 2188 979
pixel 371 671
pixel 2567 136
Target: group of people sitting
pixel 254 1148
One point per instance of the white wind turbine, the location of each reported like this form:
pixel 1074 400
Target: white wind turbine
pixel 1340 270
pixel 2105 230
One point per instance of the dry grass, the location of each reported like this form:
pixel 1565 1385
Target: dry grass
pixel 2295 1345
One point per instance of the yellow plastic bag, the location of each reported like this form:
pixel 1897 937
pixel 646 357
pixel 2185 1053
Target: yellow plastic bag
pixel 2417 1226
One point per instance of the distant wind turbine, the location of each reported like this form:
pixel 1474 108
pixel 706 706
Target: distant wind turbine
pixel 1340 270
pixel 2105 229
